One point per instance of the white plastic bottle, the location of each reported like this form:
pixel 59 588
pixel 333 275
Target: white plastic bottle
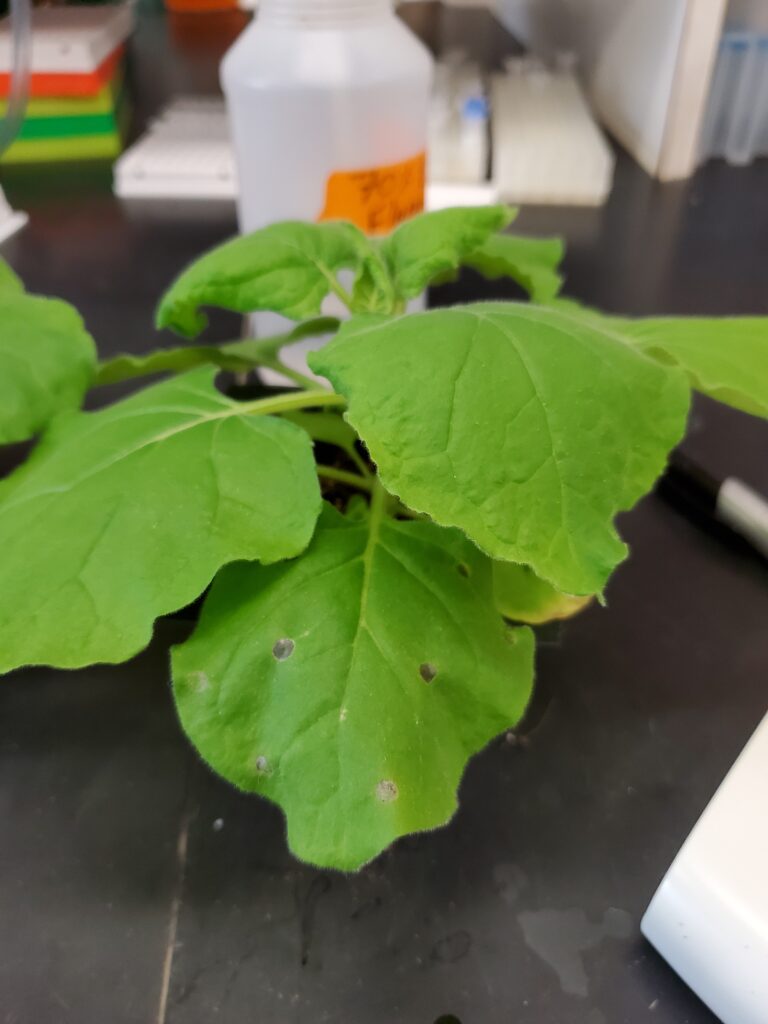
pixel 328 103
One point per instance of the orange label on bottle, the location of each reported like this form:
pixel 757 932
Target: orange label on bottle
pixel 376 200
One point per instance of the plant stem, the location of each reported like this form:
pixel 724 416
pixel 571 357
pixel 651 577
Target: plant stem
pixel 376 513
pixel 292 400
pixel 345 478
pixel 365 470
pixel 339 291
pixel 309 383
pixel 382 503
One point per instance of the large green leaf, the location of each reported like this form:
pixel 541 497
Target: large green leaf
pixel 531 262
pixel 521 596
pixel 360 678
pixel 726 358
pixel 288 268
pixel 432 244
pixel 523 426
pixel 125 514
pixel 47 360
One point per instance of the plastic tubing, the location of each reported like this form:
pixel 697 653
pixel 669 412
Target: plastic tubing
pixel 21 44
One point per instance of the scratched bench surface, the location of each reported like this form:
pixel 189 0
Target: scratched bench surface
pixel 138 888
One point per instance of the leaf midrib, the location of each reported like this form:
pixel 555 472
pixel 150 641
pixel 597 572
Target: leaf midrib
pixel 259 407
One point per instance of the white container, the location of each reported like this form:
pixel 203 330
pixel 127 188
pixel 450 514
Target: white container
pixel 709 917
pixel 736 125
pixel 547 147
pixel 458 129
pixel 328 103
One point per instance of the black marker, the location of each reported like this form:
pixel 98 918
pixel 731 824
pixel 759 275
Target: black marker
pixel 729 502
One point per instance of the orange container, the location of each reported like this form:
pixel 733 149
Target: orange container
pixel 200 6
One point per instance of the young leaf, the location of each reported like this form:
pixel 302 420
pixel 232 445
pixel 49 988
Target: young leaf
pixel 9 281
pixel 352 684
pixel 726 358
pixel 523 426
pixel 531 262
pixel 127 366
pixel 123 515
pixel 47 360
pixel 373 290
pixel 521 596
pixel 433 244
pixel 288 268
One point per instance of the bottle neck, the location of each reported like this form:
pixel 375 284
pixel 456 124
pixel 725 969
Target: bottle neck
pixel 322 13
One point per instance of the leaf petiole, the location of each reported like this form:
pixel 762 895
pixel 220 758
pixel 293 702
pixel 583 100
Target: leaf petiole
pixel 344 477
pixel 382 504
pixel 359 463
pixel 340 292
pixel 291 400
pixel 308 383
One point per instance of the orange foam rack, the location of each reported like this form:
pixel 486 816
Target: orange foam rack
pixel 55 83
pixel 75 50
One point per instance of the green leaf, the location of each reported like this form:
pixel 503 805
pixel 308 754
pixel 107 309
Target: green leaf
pixel 363 676
pixel 166 360
pixel 567 304
pixel 531 262
pixel 126 514
pixel 432 244
pixel 725 358
pixel 521 596
pixel 47 360
pixel 523 426
pixel 9 280
pixel 237 356
pixel 288 268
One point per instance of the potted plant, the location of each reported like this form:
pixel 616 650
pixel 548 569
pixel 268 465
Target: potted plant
pixel 368 544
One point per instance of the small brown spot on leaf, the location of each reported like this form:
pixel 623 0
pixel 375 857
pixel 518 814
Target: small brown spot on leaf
pixel 283 649
pixel 427 672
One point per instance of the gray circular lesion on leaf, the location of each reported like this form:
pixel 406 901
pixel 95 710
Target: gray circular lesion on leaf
pixel 386 791
pixel 427 671
pixel 283 649
pixel 199 681
pixel 262 765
